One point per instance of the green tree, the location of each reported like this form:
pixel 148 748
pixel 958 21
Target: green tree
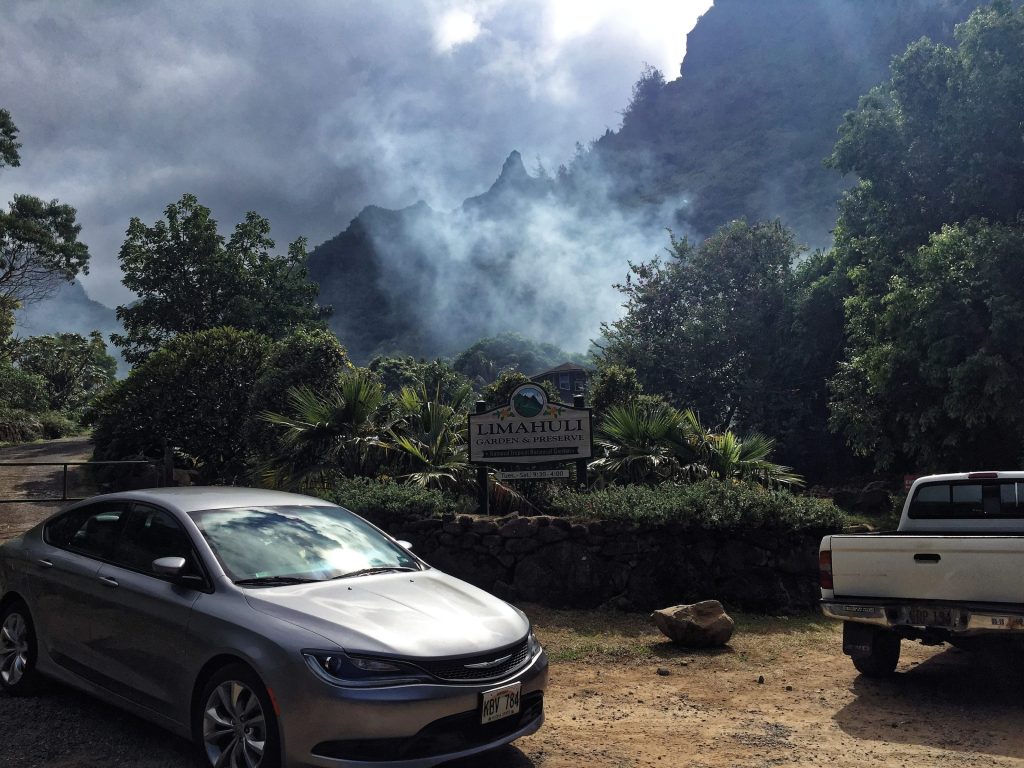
pixel 309 357
pixel 636 444
pixel 39 244
pixel 613 385
pixel 704 326
pixel 650 443
pixel 398 373
pixel 74 368
pixel 486 359
pixel 193 393
pixel 9 144
pixel 21 390
pixel 941 389
pixel 499 392
pixel 7 322
pixel 189 279
pixel 939 144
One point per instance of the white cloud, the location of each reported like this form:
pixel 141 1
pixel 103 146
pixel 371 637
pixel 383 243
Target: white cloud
pixel 455 28
pixel 311 111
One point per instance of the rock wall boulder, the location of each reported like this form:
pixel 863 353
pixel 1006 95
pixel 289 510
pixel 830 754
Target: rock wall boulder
pixel 631 566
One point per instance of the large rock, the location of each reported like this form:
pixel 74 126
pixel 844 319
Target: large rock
pixel 701 625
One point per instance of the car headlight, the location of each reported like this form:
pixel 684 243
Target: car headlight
pixel 338 668
pixel 535 647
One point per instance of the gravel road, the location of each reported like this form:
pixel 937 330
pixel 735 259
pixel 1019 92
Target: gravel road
pixel 39 482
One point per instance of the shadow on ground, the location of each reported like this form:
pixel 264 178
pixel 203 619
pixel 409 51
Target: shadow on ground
pixel 60 727
pixel 980 693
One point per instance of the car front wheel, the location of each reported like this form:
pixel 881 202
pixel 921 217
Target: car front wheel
pixel 18 675
pixel 237 725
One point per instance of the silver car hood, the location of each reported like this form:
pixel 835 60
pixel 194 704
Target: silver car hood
pixel 418 614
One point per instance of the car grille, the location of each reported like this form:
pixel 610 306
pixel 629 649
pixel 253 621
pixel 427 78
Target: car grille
pixel 462 669
pixel 442 737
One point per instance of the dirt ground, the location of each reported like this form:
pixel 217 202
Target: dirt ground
pixel 621 696
pixel 608 706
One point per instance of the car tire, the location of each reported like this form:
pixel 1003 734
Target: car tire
pixel 234 712
pixel 883 656
pixel 18 650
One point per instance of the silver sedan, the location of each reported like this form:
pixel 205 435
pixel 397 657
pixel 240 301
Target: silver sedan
pixel 271 628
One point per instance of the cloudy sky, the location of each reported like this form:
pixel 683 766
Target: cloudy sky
pixel 308 111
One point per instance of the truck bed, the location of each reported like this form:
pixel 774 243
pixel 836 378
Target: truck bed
pixel 947 567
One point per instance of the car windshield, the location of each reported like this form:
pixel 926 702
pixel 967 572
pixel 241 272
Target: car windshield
pixel 278 545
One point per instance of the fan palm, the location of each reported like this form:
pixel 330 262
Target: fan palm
pixel 327 432
pixel 636 443
pixel 431 437
pixel 652 442
pixel 729 457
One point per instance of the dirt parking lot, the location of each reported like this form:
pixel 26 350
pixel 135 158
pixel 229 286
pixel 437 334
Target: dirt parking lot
pixel 621 696
pixel 608 706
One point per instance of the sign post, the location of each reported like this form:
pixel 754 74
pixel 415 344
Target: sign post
pixel 581 464
pixel 529 430
pixel 481 472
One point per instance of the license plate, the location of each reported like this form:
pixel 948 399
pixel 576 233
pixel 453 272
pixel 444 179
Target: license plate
pixel 499 703
pixel 930 617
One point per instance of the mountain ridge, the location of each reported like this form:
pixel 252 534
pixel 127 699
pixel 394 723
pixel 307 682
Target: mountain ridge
pixel 742 133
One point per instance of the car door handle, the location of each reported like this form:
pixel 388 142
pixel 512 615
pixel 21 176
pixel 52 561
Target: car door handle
pixel 927 558
pixel 44 563
pixel 108 581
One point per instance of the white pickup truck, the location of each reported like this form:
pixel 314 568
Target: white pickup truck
pixel 952 572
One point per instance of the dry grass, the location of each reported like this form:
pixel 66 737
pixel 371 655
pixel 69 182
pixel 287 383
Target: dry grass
pixel 602 636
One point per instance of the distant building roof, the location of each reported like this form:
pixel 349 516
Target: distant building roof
pixel 563 368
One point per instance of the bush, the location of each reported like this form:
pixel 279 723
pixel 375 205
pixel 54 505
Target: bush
pixel 311 358
pixel 383 501
pixel 709 504
pixel 194 392
pixel 19 426
pixel 54 425
pixel 20 390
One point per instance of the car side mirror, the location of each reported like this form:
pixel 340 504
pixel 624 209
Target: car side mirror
pixel 405 544
pixel 173 569
pixel 169 567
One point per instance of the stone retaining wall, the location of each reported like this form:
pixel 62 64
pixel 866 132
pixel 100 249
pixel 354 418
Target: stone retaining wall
pixel 563 563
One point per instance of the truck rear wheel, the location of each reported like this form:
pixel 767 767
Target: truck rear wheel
pixel 877 653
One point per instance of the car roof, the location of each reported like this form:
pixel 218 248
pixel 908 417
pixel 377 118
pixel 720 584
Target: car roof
pixel 194 499
pixel 1002 474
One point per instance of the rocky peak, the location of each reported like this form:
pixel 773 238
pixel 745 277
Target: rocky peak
pixel 513 170
pixel 513 185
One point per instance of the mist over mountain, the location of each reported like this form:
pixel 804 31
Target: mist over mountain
pixel 741 133
pixel 69 309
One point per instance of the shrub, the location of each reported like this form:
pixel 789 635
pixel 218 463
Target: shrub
pixel 19 426
pixel 54 425
pixel 194 392
pixel 310 358
pixel 382 501
pixel 709 504
pixel 21 390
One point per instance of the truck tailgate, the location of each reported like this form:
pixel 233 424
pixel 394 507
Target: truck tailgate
pixel 929 567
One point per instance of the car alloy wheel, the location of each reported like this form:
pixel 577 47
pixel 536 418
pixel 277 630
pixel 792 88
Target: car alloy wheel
pixel 17 650
pixel 234 726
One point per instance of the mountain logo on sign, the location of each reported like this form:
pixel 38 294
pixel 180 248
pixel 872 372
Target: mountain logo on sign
pixel 528 400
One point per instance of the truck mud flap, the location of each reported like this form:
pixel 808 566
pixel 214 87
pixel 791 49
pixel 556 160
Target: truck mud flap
pixel 857 638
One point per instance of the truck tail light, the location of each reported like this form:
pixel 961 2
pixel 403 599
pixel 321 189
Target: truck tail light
pixel 825 569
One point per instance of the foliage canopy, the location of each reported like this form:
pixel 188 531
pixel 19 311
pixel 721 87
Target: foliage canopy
pixel 189 279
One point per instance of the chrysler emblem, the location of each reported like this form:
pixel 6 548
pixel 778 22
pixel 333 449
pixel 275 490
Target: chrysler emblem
pixel 489 664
